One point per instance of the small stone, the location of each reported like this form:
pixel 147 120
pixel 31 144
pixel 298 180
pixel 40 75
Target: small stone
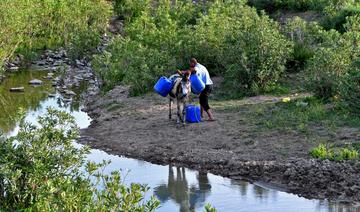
pixel 69 93
pixel 14 68
pixel 35 82
pixel 17 89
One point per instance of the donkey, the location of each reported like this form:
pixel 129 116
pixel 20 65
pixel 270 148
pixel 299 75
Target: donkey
pixel 181 92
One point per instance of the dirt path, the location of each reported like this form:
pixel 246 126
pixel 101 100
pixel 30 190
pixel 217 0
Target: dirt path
pixel 232 146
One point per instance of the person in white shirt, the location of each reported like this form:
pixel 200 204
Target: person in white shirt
pixel 204 75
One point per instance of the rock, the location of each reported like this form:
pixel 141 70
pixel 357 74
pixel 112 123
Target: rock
pixel 79 63
pixel 58 63
pixel 17 89
pixel 69 93
pixel 35 82
pixel 14 68
pixel 66 100
pixel 41 63
pixel 51 95
pixel 50 60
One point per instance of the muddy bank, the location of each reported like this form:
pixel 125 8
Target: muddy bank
pixel 138 127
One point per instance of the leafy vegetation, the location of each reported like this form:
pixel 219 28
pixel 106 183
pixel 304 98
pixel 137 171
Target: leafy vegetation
pixel 28 26
pixel 335 154
pixel 41 170
pixel 176 31
pixel 330 66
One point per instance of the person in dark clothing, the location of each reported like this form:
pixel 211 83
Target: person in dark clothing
pixel 204 75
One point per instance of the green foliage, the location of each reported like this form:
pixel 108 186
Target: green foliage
pixel 27 26
pixel 335 154
pixel 41 170
pixel 209 208
pixel 350 89
pixel 254 60
pixel 130 9
pixel 332 61
pixel 166 36
pixel 320 152
pixel 295 5
pixel 131 63
pixel 306 37
pixel 336 17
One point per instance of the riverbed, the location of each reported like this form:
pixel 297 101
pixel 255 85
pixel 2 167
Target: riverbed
pixel 178 188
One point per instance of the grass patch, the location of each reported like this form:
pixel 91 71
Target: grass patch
pixel 334 154
pixel 301 115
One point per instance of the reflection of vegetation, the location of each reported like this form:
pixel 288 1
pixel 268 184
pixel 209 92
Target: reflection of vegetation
pixel 178 190
pixel 28 100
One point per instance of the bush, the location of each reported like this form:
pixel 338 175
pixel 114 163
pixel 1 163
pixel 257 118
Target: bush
pixel 337 19
pixel 334 154
pixel 306 37
pixel 41 170
pixel 171 32
pixel 130 9
pixel 295 5
pixel 350 89
pixel 131 63
pixel 254 60
pixel 330 63
pixel 29 26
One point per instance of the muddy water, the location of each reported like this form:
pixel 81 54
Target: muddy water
pixel 178 189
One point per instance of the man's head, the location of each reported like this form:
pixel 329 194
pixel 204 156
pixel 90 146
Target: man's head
pixel 193 62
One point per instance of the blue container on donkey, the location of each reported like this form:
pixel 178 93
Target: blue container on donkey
pixel 193 114
pixel 197 85
pixel 163 86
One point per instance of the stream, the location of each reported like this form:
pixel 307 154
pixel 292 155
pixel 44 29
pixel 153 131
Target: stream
pixel 178 188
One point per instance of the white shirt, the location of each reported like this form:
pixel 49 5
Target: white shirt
pixel 203 74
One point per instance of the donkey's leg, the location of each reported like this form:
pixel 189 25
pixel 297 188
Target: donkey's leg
pixel 184 112
pixel 178 111
pixel 170 108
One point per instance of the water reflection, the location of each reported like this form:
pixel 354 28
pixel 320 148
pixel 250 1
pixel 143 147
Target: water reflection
pixel 177 188
pixel 33 101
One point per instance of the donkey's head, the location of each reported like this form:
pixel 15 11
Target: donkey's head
pixel 185 82
pixel 185 75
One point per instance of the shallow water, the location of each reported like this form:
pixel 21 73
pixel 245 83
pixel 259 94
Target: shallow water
pixel 178 189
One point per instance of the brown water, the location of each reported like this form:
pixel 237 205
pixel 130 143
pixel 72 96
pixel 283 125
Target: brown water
pixel 178 189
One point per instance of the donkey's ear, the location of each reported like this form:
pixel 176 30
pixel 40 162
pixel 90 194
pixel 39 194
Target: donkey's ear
pixel 179 72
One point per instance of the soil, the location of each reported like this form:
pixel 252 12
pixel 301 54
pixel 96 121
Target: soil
pixel 232 146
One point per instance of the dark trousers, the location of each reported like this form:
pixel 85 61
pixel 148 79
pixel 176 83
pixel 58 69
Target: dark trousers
pixel 204 97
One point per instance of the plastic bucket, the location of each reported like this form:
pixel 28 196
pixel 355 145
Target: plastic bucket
pixel 193 114
pixel 163 86
pixel 197 85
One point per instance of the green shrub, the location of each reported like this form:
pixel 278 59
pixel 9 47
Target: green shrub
pixel 295 5
pixel 29 26
pixel 171 32
pixel 130 9
pixel 330 63
pixel 337 19
pixel 129 62
pixel 306 37
pixel 41 170
pixel 335 154
pixel 320 152
pixel 350 89
pixel 254 60
pixel 347 154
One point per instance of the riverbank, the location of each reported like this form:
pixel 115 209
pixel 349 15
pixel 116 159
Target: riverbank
pixel 234 146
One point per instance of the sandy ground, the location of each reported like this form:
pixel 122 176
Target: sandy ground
pixel 139 127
